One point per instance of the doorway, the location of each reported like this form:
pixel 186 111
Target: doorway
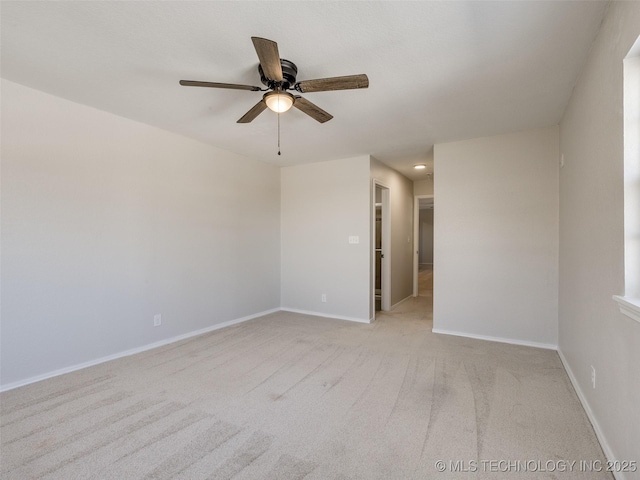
pixel 381 278
pixel 423 225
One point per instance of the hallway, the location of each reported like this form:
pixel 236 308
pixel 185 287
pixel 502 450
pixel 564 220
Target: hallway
pixel 425 280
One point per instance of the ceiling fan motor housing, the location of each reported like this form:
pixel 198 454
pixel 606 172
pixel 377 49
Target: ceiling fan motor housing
pixel 289 73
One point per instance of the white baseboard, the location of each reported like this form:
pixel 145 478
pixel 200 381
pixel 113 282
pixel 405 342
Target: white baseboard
pixel 606 448
pixel 133 351
pixel 326 315
pixel 401 302
pixel 546 346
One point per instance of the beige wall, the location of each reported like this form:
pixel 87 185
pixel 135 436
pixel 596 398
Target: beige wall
pixel 401 212
pixel 592 331
pixel 496 237
pixel 423 187
pixel 323 204
pixel 106 222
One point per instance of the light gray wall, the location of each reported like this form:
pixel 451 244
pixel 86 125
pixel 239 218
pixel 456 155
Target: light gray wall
pixel 106 222
pixel 496 237
pixel 426 235
pixel 323 204
pixel 401 212
pixel 592 330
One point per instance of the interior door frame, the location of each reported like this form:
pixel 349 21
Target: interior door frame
pixel 385 286
pixel 416 239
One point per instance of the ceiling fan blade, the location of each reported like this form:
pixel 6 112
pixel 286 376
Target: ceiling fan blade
pixel 334 83
pixel 256 110
pixel 269 57
pixel 233 86
pixel 311 109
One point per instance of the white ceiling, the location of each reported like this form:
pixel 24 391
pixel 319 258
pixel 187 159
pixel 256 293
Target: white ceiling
pixel 438 71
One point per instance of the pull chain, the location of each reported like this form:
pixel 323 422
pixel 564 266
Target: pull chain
pixel 279 133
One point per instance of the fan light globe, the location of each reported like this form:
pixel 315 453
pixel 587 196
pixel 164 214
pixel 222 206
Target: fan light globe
pixel 279 102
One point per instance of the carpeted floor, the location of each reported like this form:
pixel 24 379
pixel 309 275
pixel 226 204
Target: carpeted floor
pixel 289 396
pixel 425 281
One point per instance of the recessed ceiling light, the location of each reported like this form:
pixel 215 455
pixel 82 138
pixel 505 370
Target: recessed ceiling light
pixel 420 166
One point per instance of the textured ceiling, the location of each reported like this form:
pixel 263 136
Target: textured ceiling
pixel 438 71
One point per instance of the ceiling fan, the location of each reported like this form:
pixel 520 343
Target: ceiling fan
pixel 279 76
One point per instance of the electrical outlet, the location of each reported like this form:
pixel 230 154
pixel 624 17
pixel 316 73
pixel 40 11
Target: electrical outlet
pixel 324 298
pixel 593 376
pixel 157 320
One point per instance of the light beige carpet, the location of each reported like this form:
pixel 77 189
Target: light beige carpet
pixel 425 281
pixel 289 396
